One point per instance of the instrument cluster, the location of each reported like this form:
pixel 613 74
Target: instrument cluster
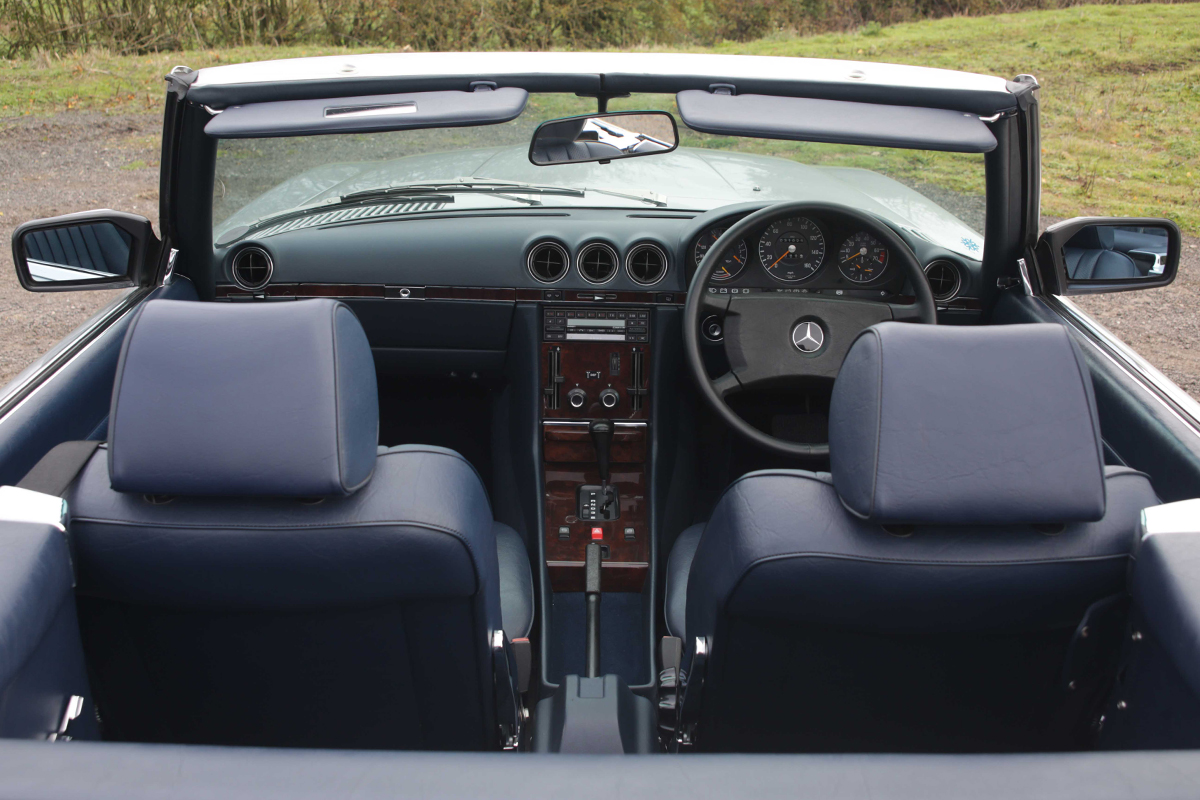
pixel 802 252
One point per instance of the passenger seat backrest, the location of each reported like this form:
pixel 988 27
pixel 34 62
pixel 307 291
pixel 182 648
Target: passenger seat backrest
pixel 926 595
pixel 250 572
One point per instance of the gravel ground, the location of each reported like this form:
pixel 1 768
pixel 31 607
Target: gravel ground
pixel 73 161
pixel 80 160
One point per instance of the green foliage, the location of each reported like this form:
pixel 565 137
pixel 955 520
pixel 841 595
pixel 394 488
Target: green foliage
pixel 1120 97
pixel 147 26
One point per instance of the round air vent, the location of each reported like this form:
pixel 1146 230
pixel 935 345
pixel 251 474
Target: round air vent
pixel 598 262
pixel 944 280
pixel 646 263
pixel 252 268
pixel 548 261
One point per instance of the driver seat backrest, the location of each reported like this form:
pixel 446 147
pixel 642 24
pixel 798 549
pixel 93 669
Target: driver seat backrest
pixel 928 594
pixel 251 570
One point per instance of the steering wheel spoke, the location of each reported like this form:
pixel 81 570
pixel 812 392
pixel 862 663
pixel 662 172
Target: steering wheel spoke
pixel 726 385
pixel 712 303
pixel 906 312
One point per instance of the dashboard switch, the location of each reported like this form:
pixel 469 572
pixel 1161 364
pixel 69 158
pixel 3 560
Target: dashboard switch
pixel 577 397
pixel 597 534
pixel 609 398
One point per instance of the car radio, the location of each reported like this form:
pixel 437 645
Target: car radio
pixel 595 325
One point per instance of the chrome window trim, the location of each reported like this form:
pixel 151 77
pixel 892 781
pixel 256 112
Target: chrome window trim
pixel 1172 397
pixel 22 388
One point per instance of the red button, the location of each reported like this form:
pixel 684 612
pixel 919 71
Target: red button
pixel 597 533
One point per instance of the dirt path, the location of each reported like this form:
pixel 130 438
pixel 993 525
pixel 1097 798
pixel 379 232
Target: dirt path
pixel 56 165
pixel 81 160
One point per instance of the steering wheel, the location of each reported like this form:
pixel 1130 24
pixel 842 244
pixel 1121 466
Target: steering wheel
pixel 777 337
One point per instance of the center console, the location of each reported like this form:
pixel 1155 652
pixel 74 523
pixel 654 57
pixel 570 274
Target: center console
pixel 595 368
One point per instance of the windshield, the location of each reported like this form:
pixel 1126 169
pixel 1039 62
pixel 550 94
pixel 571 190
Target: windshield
pixel 266 186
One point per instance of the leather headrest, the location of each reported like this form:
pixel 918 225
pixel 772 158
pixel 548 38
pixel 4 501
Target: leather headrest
pixel 988 425
pixel 244 399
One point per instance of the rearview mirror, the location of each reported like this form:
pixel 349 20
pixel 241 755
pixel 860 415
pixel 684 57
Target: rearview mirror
pixel 603 137
pixel 92 250
pixel 1111 254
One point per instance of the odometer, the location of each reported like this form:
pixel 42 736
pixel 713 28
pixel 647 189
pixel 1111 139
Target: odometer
pixel 862 258
pixel 733 261
pixel 792 249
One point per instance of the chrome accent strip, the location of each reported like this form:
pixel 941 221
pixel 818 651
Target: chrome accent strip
pixel 1023 268
pixel 1173 398
pixel 21 389
pixel 585 423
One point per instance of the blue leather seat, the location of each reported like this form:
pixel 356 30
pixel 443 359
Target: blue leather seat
pixel 1091 255
pixel 930 593
pixel 253 571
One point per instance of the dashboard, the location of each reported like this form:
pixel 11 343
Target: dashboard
pixel 621 255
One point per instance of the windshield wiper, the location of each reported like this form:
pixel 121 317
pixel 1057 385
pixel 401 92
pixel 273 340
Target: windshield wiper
pixel 499 188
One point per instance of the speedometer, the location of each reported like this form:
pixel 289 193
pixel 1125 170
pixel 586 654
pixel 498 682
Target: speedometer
pixel 733 261
pixel 792 249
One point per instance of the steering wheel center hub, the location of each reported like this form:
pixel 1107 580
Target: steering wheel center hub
pixel 808 336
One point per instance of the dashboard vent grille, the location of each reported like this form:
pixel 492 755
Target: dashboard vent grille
pixel 350 215
pixel 252 268
pixel 548 261
pixel 944 280
pixel 646 264
pixel 598 262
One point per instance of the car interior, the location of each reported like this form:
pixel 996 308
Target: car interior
pixel 600 475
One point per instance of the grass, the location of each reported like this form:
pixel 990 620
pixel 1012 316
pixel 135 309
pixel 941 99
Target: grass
pixel 1120 98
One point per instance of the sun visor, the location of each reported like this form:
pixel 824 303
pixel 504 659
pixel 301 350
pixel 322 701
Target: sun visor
pixel 385 112
pixel 837 121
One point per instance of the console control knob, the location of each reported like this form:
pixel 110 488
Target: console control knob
pixel 577 397
pixel 609 398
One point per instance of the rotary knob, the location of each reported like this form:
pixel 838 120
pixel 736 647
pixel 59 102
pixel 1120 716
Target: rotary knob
pixel 609 398
pixel 576 398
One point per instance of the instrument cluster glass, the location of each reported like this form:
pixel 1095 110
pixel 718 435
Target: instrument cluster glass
pixel 792 249
pixel 734 261
pixel 799 252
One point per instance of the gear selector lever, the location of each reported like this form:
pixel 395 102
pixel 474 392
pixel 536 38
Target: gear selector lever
pixel 600 503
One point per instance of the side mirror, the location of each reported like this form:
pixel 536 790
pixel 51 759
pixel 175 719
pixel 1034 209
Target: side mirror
pixel 91 250
pixel 603 137
pixel 1110 254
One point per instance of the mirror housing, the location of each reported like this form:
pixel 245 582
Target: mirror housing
pixel 101 249
pixel 1092 255
pixel 603 137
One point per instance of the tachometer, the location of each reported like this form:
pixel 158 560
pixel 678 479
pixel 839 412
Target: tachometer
pixel 733 261
pixel 792 249
pixel 862 258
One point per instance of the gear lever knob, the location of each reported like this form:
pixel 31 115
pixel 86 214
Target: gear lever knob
pixel 602 432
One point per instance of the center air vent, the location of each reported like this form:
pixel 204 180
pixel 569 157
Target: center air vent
pixel 548 261
pixel 598 262
pixel 252 268
pixel 944 280
pixel 646 263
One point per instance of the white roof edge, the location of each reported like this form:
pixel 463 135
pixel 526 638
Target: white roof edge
pixel 731 67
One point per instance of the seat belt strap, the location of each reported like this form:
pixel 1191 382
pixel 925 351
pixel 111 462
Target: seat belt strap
pixel 57 470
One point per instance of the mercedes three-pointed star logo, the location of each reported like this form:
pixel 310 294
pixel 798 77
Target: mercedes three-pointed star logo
pixel 808 337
